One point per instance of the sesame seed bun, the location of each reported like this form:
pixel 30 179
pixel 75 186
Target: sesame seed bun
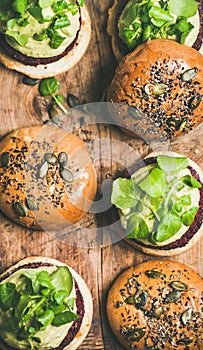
pixel 62 64
pixel 137 306
pixel 38 261
pixel 55 202
pixel 174 110
pixel 118 46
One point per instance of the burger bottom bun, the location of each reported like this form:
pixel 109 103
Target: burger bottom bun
pixel 63 64
pixel 167 327
pixel 119 48
pixel 191 242
pixel 87 297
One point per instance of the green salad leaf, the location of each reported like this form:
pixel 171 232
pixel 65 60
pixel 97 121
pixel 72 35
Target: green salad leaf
pixel 171 165
pixel 8 296
pixel 168 227
pixel 20 6
pixel 45 3
pixel 64 317
pixel 155 183
pixel 189 215
pixel 157 200
pixel 185 8
pixel 21 39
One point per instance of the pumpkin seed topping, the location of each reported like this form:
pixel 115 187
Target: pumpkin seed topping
pixel 20 209
pixel 66 175
pixel 195 101
pixel 50 158
pixel 63 159
pixel 136 334
pixel 178 285
pixel 130 300
pixel 185 341
pixel 154 274
pixel 186 316
pixel 155 89
pixel 140 300
pixel 31 204
pixel 189 74
pixel 43 170
pixel 5 159
pixel 73 101
pixel 173 297
pixel 30 81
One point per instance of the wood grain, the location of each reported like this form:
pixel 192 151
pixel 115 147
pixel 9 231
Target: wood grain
pixel 22 106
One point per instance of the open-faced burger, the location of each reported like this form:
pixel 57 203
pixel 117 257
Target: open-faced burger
pixel 161 205
pixel 164 80
pixel 43 38
pixel 47 178
pixel 157 305
pixel 44 305
pixel 133 22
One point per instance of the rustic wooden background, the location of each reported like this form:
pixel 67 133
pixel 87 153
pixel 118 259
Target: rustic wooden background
pixel 22 106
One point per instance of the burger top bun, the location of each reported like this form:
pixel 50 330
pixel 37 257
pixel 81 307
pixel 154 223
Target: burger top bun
pixel 47 178
pixel 63 64
pixel 163 79
pixel 85 295
pixel 157 305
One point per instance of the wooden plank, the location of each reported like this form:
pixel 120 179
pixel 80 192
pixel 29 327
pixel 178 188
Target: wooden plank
pixel 21 106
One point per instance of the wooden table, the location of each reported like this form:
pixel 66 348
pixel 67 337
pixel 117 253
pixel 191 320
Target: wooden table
pixel 22 106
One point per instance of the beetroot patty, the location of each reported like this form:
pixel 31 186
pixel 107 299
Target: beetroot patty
pixel 79 305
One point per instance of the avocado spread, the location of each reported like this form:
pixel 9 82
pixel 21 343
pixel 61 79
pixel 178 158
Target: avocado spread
pixel 40 28
pixel 37 307
pixel 159 202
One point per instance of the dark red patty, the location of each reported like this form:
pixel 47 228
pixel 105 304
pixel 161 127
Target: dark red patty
pixel 32 61
pixel 194 227
pixel 79 305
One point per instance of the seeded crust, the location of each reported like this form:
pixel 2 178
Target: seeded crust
pixel 196 237
pixel 119 48
pixel 59 203
pixel 166 330
pixel 63 64
pixel 159 61
pixel 88 305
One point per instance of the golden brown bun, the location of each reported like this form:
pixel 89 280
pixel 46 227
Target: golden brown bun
pixel 119 48
pixel 59 203
pixel 163 325
pixel 192 241
pixel 88 305
pixel 63 64
pixel 159 61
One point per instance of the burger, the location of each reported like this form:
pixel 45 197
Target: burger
pixel 157 305
pixel 43 38
pixel 44 304
pixel 47 178
pixel 163 81
pixel 159 206
pixel 132 23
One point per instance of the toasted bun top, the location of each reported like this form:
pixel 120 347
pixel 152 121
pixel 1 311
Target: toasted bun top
pixel 60 66
pixel 152 79
pixel 39 197
pixel 142 310
pixel 87 298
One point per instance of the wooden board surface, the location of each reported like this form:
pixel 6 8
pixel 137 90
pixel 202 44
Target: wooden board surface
pixel 22 106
